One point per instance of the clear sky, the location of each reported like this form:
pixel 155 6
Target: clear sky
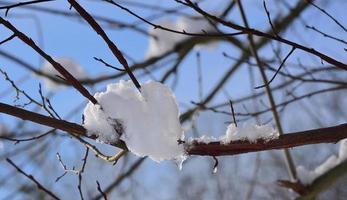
pixel 61 36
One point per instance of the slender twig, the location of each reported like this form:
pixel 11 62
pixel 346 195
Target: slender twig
pixel 251 31
pixel 200 81
pixel 69 77
pixel 233 112
pixel 21 4
pixel 183 32
pixel 108 65
pixel 39 186
pixel 100 190
pixel 8 39
pixel 269 19
pixel 66 170
pixel 120 178
pixel 97 28
pixel 278 70
pixel 18 140
pixel 326 35
pixel 327 14
pixel 288 157
pixel 79 186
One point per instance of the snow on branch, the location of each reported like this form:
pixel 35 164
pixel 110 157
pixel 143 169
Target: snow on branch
pixel 308 176
pixel 248 132
pixel 315 136
pixel 148 122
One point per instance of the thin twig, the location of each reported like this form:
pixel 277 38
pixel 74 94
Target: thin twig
pixel 97 28
pixel 269 19
pixel 21 4
pixel 100 190
pixel 327 14
pixel 183 32
pixel 289 161
pixel 108 65
pixel 8 39
pixel 39 186
pixel 69 77
pixel 278 70
pixel 251 31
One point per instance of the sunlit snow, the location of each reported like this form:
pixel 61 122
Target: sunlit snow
pixel 249 132
pixel 149 120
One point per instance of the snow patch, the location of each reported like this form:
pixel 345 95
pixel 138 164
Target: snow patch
pixel 249 132
pixel 308 176
pixel 165 41
pixel 69 64
pixel 148 122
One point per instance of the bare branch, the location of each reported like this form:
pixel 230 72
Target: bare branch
pixel 33 180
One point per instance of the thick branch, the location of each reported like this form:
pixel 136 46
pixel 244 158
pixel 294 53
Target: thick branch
pixel 63 125
pixel 315 136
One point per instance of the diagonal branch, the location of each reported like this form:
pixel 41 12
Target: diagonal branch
pixel 55 64
pixel 269 36
pixel 21 4
pixel 33 179
pixel 116 52
pixel 315 136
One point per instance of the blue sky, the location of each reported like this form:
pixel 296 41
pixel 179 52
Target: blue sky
pixel 67 37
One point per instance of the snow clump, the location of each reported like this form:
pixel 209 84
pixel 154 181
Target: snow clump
pixel 148 122
pixel 249 132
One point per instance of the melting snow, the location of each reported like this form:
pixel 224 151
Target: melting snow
pixel 70 65
pixel 248 132
pixel 308 176
pixel 166 41
pixel 148 122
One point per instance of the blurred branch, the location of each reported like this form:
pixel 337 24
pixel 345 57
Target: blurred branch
pixel 120 179
pixel 32 179
pixel 314 136
pixel 319 185
pixel 21 4
pixel 269 36
pixel 55 64
pixel 97 28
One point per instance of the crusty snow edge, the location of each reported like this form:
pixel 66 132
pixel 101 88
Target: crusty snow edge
pixel 308 176
pixel 249 132
pixel 148 122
